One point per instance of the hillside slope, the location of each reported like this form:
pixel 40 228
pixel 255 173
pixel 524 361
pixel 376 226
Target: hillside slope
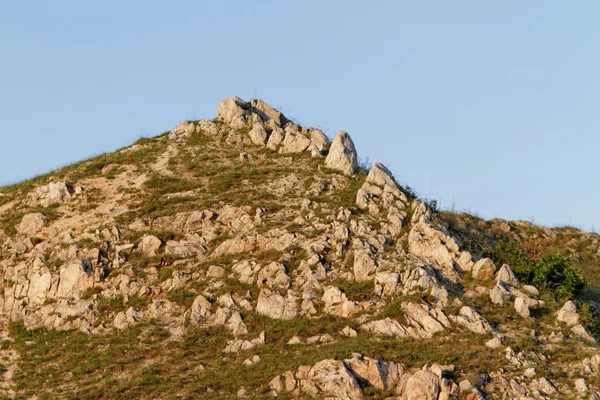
pixel 248 256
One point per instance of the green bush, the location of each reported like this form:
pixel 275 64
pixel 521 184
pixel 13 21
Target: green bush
pixel 553 273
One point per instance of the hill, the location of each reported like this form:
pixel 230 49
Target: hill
pixel 250 257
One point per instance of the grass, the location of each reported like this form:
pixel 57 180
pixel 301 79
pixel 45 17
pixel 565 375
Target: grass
pixel 143 362
pixel 9 222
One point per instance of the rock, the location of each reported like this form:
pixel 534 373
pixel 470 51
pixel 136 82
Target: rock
pixel 500 294
pixel 74 280
pixel 465 386
pixel 517 389
pixel 493 343
pixel 348 332
pixel 380 175
pixel 184 130
pixel 207 127
pixel 386 327
pixel 337 303
pixel 379 374
pixel 532 290
pixel 237 345
pixel 124 320
pixel 54 192
pixel 31 224
pixel 231 113
pixel 521 307
pixel 269 112
pixel 275 139
pixel 252 360
pixel 333 378
pixel 505 274
pixel 426 241
pixel 364 266
pixel 149 245
pixel 546 386
pixel 318 142
pixel 214 271
pixel 342 154
pixel 484 269
pixel 201 310
pixel 580 331
pixel 275 306
pixel 568 314
pixel 425 320
pixel 423 385
pixel 580 385
pixel 472 320
pixel 294 143
pixel 295 340
pixel 258 135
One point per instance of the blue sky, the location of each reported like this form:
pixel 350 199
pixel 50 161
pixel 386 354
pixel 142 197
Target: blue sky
pixel 490 107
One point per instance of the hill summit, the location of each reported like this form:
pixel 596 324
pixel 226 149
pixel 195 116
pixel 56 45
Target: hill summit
pixel 249 256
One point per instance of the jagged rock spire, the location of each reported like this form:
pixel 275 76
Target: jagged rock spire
pixel 342 154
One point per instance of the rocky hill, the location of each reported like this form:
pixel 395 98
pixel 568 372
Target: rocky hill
pixel 250 257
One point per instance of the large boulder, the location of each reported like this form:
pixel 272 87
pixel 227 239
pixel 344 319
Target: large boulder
pixel 258 135
pixel 484 269
pixel 423 385
pixel 505 274
pixel 149 245
pixel 379 374
pixel 275 306
pixel 268 112
pixel 32 224
pixel 231 113
pixel 294 142
pixel 334 378
pixel 568 314
pixel 472 320
pixel 74 280
pixel 342 154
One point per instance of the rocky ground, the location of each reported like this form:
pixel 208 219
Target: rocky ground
pixel 248 256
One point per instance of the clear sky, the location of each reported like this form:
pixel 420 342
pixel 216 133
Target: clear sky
pixel 490 107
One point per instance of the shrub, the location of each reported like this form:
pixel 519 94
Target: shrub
pixel 552 272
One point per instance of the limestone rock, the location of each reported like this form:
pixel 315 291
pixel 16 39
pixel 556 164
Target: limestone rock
pixel 505 274
pixel 201 310
pixel 231 113
pixel 377 373
pixel 268 111
pixel 54 192
pixel 294 143
pixel 74 280
pixel 364 266
pixel 207 127
pixel 568 314
pixel 276 306
pixel 333 378
pixel 342 154
pixel 124 320
pixel 337 303
pixel 258 135
pixel 521 307
pixel 31 224
pixel 423 385
pixel 484 269
pixel 149 245
pixel 472 320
